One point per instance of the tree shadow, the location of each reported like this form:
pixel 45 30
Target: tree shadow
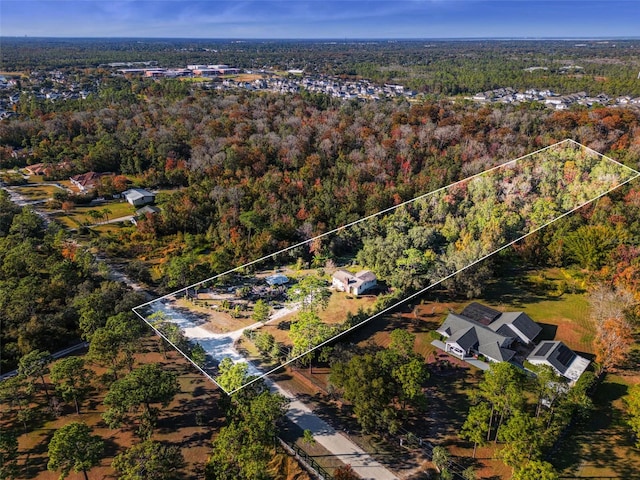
pixel 111 448
pixel 584 439
pixel 36 458
pixel 632 361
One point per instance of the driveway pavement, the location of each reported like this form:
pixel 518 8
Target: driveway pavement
pixel 221 345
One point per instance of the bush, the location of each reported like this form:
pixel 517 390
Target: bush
pixel 434 335
pixel 264 341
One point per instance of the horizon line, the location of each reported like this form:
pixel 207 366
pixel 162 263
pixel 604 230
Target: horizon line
pixel 334 39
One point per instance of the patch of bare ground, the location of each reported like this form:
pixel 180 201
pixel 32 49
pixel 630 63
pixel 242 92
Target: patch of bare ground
pixel 189 422
pixel 210 318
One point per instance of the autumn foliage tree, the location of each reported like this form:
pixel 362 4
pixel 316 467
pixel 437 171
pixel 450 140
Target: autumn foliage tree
pixel 613 339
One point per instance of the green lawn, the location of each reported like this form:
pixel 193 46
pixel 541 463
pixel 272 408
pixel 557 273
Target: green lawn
pixel 35 192
pixel 78 215
pixel 563 316
pixel 601 446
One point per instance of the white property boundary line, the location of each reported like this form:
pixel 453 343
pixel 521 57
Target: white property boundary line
pixel 400 302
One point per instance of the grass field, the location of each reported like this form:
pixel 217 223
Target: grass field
pixel 78 215
pixel 563 316
pixel 339 305
pixel 247 77
pixel 34 192
pixel 601 446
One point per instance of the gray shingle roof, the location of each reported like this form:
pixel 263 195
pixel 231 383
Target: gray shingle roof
pixel 366 275
pixel 521 321
pixel 468 333
pixel 147 209
pixel 466 338
pixel 495 351
pixel 137 194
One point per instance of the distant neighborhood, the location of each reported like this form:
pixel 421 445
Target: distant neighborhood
pixel 550 98
pixel 56 85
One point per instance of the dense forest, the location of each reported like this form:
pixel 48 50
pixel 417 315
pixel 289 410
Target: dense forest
pixel 246 174
pixel 51 289
pixel 255 172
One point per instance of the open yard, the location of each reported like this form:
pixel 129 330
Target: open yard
pixel 216 321
pixel 177 424
pixel 601 446
pixel 339 305
pixel 36 192
pixel 78 215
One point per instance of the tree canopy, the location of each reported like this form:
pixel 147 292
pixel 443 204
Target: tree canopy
pixel 74 448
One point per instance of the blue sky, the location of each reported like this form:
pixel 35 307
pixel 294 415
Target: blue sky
pixel 320 18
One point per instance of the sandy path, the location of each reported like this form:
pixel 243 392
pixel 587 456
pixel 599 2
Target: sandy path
pixel 220 345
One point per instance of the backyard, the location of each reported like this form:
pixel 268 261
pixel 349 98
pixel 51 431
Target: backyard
pixel 599 446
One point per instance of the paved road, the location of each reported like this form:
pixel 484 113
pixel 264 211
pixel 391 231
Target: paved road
pixel 337 443
pixel 56 355
pixel 220 345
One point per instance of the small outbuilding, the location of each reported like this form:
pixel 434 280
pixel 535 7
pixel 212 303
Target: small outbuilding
pixel 277 279
pixel 138 197
pixel 561 358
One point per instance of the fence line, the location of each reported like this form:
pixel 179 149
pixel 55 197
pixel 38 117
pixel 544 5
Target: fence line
pixel 307 461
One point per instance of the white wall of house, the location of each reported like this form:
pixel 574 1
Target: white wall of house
pixel 364 287
pixel 337 284
pixel 140 201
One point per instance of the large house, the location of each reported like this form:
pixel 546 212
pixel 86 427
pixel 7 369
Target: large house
pixel 87 181
pixel 561 358
pixel 480 330
pixel 354 284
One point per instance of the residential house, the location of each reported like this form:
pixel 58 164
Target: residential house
pixel 37 168
pixel 138 196
pixel 143 212
pixel 87 181
pixel 46 168
pixel 354 284
pixel 468 338
pixel 504 323
pixel 481 330
pixel 561 358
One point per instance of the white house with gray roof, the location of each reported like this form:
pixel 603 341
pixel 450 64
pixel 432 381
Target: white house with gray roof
pixel 138 197
pixel 561 358
pixel 354 284
pixel 468 338
pixel 481 330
